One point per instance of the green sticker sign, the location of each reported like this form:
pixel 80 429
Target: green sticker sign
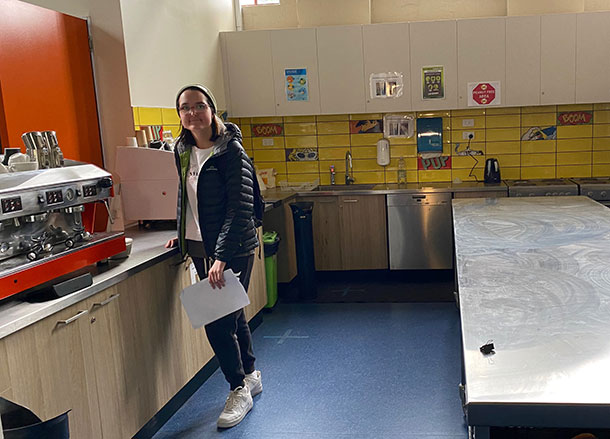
pixel 433 82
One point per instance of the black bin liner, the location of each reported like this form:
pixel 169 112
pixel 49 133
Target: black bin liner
pixel 19 422
pixel 303 235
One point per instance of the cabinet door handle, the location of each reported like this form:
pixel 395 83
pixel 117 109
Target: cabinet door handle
pixel 73 318
pixel 107 301
pixel 350 201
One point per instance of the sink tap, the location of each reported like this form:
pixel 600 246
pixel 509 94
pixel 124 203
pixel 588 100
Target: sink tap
pixel 348 168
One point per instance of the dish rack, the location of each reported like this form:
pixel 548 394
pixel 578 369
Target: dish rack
pixel 299 186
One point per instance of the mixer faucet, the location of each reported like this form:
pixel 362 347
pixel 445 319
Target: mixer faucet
pixel 348 168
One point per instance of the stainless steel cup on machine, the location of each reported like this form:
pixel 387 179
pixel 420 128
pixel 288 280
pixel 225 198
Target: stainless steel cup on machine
pixel 43 148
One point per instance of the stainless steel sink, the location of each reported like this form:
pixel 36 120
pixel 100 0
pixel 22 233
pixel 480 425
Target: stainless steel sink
pixel 344 187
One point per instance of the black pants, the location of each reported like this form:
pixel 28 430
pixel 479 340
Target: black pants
pixel 230 336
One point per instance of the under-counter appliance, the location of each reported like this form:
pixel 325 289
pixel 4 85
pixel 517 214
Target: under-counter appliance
pixel 420 231
pixel 46 224
pixel 596 188
pixel 541 188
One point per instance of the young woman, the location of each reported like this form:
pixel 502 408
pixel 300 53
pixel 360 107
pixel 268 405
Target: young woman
pixel 215 222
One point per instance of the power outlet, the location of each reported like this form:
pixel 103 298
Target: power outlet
pixel 467 135
pixel 268 142
pixel 467 122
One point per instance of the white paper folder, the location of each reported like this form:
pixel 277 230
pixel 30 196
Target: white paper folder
pixel 203 304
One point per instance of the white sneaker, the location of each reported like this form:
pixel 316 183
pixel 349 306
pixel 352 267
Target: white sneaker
pixel 254 382
pixel 239 403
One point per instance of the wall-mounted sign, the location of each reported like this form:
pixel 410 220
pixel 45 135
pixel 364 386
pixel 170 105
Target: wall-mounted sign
pixel 297 87
pixel 301 154
pixel 537 133
pixel 575 118
pixel 385 85
pixel 483 94
pixel 365 126
pixel 398 125
pixel 433 82
pixel 267 130
pixel 434 163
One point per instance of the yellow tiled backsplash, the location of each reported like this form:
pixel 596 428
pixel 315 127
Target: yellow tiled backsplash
pixel 577 151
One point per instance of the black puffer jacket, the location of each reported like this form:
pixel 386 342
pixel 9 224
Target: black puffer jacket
pixel 225 198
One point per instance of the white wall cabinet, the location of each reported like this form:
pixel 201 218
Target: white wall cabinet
pixel 249 72
pixel 482 54
pixel 539 60
pixel 522 61
pixel 386 49
pixel 341 69
pixel 433 43
pixel 295 49
pixel 558 59
pixel 593 57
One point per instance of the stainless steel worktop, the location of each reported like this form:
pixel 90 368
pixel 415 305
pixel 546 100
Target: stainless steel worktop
pixel 147 249
pixel 276 196
pixel 534 277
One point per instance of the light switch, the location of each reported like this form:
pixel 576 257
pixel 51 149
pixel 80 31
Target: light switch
pixel 267 142
pixel 467 122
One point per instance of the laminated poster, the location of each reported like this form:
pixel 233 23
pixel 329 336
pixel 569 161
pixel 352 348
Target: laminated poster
pixel 296 85
pixel 433 82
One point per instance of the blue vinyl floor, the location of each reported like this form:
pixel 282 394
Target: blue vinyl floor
pixel 345 370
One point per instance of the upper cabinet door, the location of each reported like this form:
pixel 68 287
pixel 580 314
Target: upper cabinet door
pixel 248 61
pixel 386 50
pixel 433 44
pixel 558 59
pixel 481 55
pixel 522 61
pixel 341 69
pixel 593 57
pixel 295 71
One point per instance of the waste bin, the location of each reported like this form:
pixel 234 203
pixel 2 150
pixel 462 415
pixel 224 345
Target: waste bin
pixel 303 236
pixel 271 242
pixel 19 422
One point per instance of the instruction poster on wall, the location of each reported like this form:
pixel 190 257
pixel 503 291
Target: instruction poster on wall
pixel 433 82
pixel 297 87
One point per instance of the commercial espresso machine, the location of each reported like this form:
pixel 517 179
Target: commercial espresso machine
pixel 47 219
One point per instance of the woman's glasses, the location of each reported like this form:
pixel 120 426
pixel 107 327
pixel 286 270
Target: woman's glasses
pixel 197 108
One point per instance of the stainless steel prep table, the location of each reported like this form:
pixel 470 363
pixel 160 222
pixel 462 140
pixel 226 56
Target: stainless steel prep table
pixel 533 276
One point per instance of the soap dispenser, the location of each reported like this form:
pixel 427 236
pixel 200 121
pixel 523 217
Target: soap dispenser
pixel 383 152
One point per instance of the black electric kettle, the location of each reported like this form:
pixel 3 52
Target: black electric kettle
pixel 492 171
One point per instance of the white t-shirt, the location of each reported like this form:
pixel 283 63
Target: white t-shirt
pixel 198 158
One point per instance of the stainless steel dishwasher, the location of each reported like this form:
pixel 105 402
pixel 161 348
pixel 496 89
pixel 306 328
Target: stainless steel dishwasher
pixel 420 231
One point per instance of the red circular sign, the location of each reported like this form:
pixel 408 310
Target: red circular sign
pixel 483 94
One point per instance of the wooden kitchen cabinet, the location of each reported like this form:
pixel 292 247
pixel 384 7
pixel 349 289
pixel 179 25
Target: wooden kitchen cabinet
pixel 295 49
pixel 481 45
pixel 593 57
pixel 522 61
pixel 341 69
pixel 349 232
pixel 364 242
pixel 52 370
pixel 386 49
pixel 558 59
pixel 120 356
pixel 248 63
pixel 433 44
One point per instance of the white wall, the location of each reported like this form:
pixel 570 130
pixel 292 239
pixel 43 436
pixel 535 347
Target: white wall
pixel 170 43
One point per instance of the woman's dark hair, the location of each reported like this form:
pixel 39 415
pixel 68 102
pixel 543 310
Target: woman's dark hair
pixel 185 134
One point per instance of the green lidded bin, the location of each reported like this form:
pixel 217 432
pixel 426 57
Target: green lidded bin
pixel 271 242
